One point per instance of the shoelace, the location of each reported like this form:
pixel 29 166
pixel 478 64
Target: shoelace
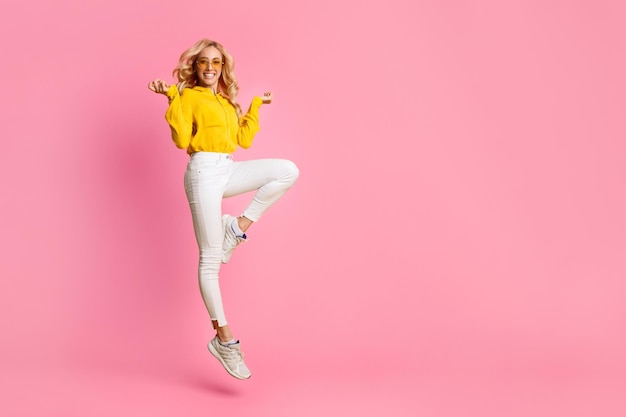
pixel 234 354
pixel 232 240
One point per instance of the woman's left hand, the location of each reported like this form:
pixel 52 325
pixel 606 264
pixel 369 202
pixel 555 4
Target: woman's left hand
pixel 267 97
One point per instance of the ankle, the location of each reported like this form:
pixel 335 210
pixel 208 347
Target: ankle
pixel 244 223
pixel 224 336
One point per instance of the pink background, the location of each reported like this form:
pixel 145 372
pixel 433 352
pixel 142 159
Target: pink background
pixel 455 245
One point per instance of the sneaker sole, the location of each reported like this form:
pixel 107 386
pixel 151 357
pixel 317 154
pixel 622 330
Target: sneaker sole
pixel 219 358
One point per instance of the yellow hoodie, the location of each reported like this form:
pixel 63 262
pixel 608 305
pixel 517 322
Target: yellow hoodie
pixel 202 121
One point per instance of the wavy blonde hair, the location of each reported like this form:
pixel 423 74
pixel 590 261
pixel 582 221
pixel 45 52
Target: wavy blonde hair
pixel 187 78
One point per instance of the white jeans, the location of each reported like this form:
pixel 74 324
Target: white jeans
pixel 209 178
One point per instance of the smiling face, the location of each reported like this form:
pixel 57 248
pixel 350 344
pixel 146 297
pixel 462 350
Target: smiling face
pixel 208 67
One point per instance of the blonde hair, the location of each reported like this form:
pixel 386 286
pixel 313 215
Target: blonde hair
pixel 187 77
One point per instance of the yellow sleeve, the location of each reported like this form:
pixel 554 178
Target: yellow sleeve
pixel 180 118
pixel 249 124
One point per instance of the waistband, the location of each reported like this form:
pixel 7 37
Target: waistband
pixel 211 156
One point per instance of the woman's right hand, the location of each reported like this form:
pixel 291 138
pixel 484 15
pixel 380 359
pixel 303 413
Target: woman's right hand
pixel 158 86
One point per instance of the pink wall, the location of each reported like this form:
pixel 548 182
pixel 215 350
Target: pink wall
pixel 461 196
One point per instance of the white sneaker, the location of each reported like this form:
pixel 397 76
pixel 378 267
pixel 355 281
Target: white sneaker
pixel 231 358
pixel 231 240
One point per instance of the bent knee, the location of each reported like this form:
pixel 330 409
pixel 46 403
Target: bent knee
pixel 291 171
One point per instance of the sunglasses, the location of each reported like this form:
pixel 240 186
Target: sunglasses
pixel 204 63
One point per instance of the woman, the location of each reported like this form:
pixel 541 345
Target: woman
pixel 206 120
